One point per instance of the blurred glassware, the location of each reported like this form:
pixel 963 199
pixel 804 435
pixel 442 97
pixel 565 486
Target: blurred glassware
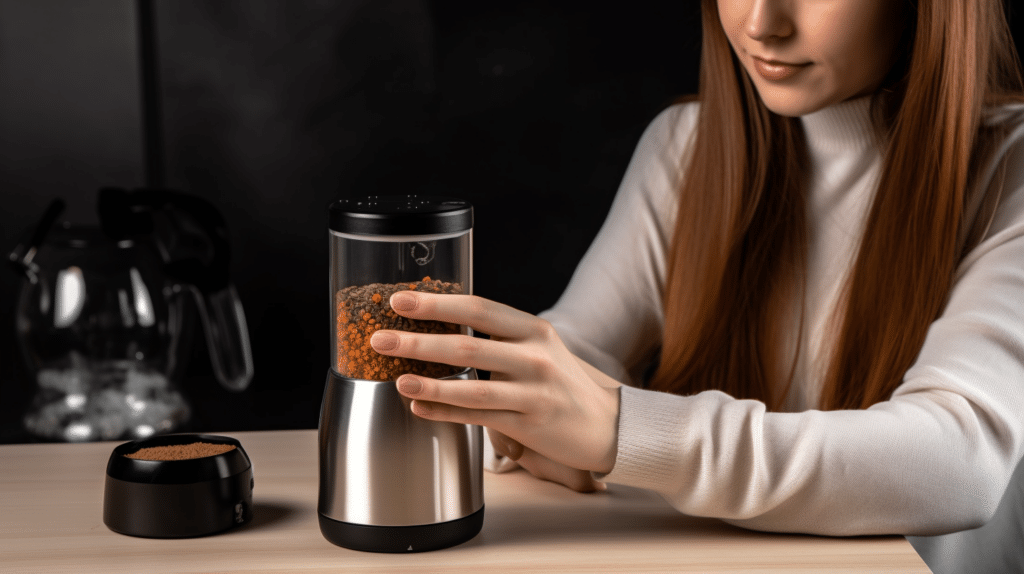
pixel 102 318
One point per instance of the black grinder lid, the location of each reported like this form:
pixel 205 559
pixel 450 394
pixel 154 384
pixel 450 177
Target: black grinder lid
pixel 401 215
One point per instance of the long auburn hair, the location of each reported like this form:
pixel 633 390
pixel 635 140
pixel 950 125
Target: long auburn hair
pixel 739 249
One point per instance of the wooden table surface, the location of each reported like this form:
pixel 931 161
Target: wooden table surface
pixel 51 506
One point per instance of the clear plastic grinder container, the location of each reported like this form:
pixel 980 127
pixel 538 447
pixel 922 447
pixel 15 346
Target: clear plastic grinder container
pixel 381 245
pixel 391 481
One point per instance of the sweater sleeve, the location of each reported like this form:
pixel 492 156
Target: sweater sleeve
pixel 935 458
pixel 610 313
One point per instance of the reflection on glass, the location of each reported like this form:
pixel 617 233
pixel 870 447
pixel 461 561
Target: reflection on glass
pixel 127 317
pixel 143 304
pixel 70 296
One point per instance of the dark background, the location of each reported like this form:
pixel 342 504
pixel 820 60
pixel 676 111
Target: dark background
pixel 271 109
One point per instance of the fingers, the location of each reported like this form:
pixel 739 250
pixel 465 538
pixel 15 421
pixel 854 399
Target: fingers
pixel 546 469
pixel 464 393
pixel 449 413
pixel 505 446
pixel 477 313
pixel 459 350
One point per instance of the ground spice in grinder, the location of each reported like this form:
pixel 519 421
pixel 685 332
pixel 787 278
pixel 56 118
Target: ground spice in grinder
pixel 364 309
pixel 181 451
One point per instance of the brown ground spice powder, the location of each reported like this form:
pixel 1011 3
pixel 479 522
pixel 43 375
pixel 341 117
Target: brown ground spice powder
pixel 363 309
pixel 181 451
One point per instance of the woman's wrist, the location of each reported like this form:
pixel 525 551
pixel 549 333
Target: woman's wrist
pixel 607 462
pixel 597 375
pixel 610 427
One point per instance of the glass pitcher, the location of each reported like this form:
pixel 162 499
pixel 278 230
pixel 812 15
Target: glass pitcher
pixel 101 316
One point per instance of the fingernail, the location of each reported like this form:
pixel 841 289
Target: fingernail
pixel 515 450
pixel 403 302
pixel 384 341
pixel 500 447
pixel 409 385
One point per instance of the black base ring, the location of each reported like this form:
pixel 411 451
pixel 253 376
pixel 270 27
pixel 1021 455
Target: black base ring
pixel 401 539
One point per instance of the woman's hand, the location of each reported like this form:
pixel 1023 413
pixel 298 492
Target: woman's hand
pixel 539 394
pixel 543 467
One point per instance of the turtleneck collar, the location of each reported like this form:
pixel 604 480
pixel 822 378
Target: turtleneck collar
pixel 842 127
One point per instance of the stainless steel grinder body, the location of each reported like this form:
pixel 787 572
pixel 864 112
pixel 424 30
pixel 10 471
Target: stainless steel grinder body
pixel 391 481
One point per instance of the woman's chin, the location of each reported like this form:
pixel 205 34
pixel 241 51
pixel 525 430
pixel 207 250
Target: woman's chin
pixel 793 107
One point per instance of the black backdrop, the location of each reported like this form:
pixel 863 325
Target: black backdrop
pixel 272 109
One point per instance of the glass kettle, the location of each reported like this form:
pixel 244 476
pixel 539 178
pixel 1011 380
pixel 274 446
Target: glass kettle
pixel 102 315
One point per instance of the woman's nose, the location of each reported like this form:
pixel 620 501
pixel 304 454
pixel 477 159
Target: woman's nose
pixel 769 19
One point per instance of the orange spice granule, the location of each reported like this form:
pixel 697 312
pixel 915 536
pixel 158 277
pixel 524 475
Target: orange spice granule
pixel 364 309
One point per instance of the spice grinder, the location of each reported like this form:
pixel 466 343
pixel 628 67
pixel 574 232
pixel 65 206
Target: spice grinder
pixel 391 481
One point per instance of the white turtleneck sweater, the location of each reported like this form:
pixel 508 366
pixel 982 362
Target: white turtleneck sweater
pixel 934 459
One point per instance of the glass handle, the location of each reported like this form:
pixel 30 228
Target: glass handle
pixel 227 336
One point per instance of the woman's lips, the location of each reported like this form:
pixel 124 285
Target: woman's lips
pixel 774 70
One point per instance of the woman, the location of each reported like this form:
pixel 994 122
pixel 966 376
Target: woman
pixel 827 247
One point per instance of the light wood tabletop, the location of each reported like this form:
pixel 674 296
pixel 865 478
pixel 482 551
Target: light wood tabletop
pixel 51 506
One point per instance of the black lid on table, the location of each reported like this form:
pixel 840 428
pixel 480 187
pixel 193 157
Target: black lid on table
pixel 177 498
